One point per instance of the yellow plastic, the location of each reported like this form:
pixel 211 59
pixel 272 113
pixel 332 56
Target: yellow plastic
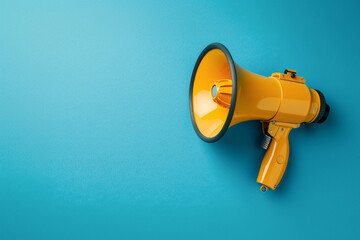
pixel 276 158
pixel 282 102
pixel 209 115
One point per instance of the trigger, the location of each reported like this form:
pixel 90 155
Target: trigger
pixel 266 142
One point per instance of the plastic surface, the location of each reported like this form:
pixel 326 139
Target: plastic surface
pixel 276 158
pixel 211 115
pixel 282 99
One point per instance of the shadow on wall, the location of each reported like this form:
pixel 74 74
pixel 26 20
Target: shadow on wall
pixel 239 152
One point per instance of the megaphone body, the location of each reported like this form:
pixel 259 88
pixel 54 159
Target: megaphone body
pixel 223 94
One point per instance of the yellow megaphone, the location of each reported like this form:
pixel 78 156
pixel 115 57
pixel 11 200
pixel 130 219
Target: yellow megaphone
pixel 223 94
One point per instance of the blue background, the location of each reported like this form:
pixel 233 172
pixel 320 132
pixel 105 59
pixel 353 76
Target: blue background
pixel 96 140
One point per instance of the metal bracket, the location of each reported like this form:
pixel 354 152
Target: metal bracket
pixel 289 75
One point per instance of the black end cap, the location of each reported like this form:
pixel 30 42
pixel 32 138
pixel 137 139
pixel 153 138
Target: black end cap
pixel 324 109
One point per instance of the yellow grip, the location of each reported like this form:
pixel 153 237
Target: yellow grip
pixel 276 158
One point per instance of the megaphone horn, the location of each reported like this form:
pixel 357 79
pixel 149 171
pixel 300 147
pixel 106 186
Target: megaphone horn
pixel 223 94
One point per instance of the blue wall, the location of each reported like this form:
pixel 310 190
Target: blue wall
pixel 96 140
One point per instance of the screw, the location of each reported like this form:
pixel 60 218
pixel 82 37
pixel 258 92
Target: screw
pixel 282 129
pixel 271 131
pixel 283 76
pixel 296 125
pixel 273 122
pixel 314 109
pixel 292 75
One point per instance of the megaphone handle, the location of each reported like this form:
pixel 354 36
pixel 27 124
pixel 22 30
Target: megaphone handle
pixel 276 158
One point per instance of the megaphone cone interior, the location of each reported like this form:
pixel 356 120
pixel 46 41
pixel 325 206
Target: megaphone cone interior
pixel 223 94
pixel 213 93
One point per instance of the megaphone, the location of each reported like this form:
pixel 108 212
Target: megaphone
pixel 223 94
